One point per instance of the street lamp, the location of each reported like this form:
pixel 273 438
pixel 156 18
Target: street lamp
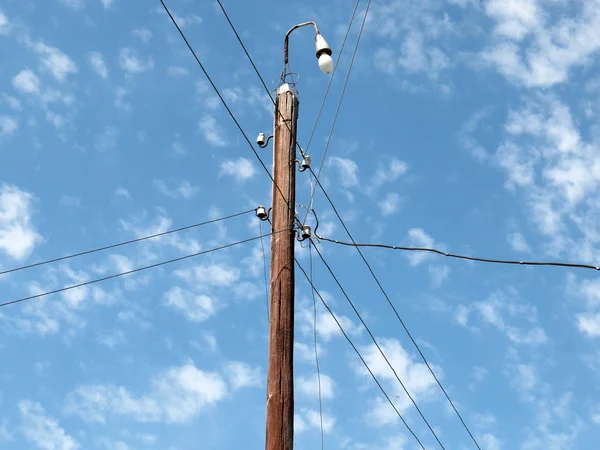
pixel 323 51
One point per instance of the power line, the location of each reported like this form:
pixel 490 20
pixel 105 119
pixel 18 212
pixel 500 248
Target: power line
pixel 409 334
pixel 139 269
pixel 132 241
pixel 253 65
pixel 312 133
pixel 221 97
pixel 378 347
pixel 359 354
pixel 310 271
pixel 466 257
pixel 337 111
pixel 245 50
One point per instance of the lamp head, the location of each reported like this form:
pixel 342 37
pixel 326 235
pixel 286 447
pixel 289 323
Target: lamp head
pixel 323 52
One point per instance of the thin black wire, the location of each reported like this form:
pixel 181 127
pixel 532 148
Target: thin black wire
pixel 221 98
pixel 378 347
pixel 337 111
pixel 262 245
pixel 466 257
pixel 245 50
pixel 129 272
pixel 315 340
pixel 396 311
pixel 132 241
pixel 358 353
pixel 312 133
pixel 254 66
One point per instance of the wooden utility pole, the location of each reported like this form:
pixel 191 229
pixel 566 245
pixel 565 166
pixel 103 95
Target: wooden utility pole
pixel 280 378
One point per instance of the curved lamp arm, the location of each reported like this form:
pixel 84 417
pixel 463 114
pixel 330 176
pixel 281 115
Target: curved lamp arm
pixel 322 47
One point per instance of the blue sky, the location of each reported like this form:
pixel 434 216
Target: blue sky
pixel 468 125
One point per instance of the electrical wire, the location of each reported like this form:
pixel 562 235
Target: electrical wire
pixel 378 347
pixel 339 105
pixel 139 269
pixel 466 257
pixel 310 271
pixel 359 354
pixel 409 334
pixel 221 97
pixel 255 68
pixel 132 241
pixel 262 245
pixel 245 50
pixel 312 133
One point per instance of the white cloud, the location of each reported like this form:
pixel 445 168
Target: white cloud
pixel 438 274
pixel 314 420
pixel 415 376
pixel 18 236
pixel 188 20
pixel 121 102
pixel 347 169
pixel 8 125
pixel 306 353
pixel 518 243
pixel 408 47
pixel 70 200
pixel 107 3
pixel 327 328
pixel 210 274
pixel 417 237
pixel 596 416
pixel 309 386
pixel 122 192
pixel 42 430
pixel 547 160
pixel 211 131
pixel 132 64
pixel 107 140
pixel 389 204
pixel 552 50
pixel 5 435
pixel 27 82
pixel 196 308
pixel 589 324
pixel 94 402
pixel 299 424
pixel 185 189
pixel 55 61
pixel 99 65
pixel 111 338
pixel 389 173
pixel 143 33
pixel 501 306
pixel 241 375
pixel 178 395
pixel 516 18
pixel 73 4
pixel 526 377
pixel 241 169
pixel 489 441
pixel 177 71
pixel 4 25
pixel 159 225
pixel 13 102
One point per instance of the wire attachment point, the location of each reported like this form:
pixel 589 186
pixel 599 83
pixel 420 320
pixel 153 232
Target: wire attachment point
pixel 305 233
pixel 305 163
pixel 262 213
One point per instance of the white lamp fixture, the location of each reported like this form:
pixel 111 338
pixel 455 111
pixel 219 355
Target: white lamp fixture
pixel 323 52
